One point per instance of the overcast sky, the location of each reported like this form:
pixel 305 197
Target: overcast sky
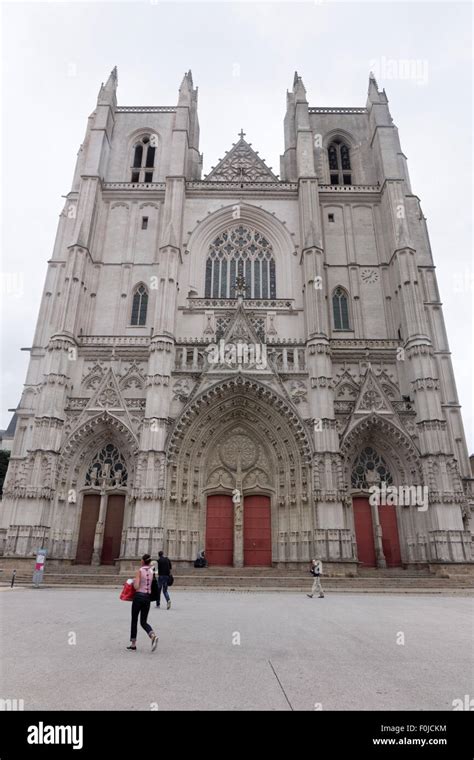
pixel 243 56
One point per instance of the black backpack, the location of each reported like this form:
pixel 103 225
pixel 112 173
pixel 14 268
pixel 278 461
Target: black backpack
pixel 154 588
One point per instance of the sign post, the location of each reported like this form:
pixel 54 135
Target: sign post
pixel 39 567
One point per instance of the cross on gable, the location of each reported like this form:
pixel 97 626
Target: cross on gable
pixel 242 134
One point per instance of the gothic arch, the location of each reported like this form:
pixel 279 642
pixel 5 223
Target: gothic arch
pixel 342 134
pixel 237 407
pixel 132 139
pixel 243 388
pixel 257 461
pixel 390 441
pixel 81 446
pixel 348 139
pixel 268 224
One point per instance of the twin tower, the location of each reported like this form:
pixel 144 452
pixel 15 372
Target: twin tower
pixel 131 438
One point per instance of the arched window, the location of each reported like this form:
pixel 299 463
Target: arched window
pixel 143 159
pixel 339 163
pixel 340 308
pixel 245 252
pixel 369 469
pixel 107 468
pixel 139 306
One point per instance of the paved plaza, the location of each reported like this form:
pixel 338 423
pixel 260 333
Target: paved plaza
pixel 336 653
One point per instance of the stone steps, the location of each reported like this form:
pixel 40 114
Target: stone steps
pixel 246 580
pixel 250 578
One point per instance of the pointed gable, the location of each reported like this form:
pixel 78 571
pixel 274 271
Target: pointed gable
pixel 242 164
pixel 240 328
pixel 372 397
pixel 240 348
pixel 107 396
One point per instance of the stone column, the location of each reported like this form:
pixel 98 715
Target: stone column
pixel 238 517
pixel 379 555
pixel 99 530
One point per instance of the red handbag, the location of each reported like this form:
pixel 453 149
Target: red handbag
pixel 128 591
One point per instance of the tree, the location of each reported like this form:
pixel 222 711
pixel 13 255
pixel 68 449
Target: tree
pixel 4 460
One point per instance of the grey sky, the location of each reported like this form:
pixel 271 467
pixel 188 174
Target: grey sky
pixel 243 56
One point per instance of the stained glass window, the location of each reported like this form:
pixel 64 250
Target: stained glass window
pixel 340 309
pixel 139 306
pixel 107 465
pixel 250 256
pixel 369 468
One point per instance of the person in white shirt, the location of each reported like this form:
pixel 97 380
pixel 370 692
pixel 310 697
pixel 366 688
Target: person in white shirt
pixel 316 570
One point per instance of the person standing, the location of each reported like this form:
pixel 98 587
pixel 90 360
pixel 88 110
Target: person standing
pixel 164 572
pixel 316 570
pixel 141 603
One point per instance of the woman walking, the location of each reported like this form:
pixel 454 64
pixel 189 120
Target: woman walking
pixel 141 603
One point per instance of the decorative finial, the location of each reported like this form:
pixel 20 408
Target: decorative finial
pixel 241 134
pixel 240 286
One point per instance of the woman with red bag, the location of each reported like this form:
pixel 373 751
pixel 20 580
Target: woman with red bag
pixel 141 603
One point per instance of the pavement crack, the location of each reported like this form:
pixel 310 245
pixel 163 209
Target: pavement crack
pixel 280 684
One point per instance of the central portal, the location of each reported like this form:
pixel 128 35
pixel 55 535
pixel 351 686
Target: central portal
pixel 224 526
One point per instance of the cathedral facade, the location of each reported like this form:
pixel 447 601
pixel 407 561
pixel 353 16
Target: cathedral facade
pixel 251 364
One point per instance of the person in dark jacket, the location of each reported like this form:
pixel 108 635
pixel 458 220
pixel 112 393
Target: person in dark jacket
pixel 201 560
pixel 164 572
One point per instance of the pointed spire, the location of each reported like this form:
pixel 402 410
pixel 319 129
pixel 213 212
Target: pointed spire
pixel 299 89
pixel 373 92
pixel 186 91
pixel 108 92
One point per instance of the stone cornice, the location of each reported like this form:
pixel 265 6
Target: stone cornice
pixel 337 109
pixel 272 304
pixel 145 109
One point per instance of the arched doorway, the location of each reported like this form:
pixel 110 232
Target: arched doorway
pixel 240 441
pixel 103 507
pixel 373 521
pixel 377 452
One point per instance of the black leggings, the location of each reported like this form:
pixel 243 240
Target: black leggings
pixel 140 606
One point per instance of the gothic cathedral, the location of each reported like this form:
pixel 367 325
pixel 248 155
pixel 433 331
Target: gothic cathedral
pixel 247 363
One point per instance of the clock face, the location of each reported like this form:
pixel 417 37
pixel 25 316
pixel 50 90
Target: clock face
pixel 369 275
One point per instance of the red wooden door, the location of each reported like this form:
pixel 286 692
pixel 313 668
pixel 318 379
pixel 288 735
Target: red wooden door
pixel 390 540
pixel 89 517
pixel 364 531
pixel 113 528
pixel 220 530
pixel 257 531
